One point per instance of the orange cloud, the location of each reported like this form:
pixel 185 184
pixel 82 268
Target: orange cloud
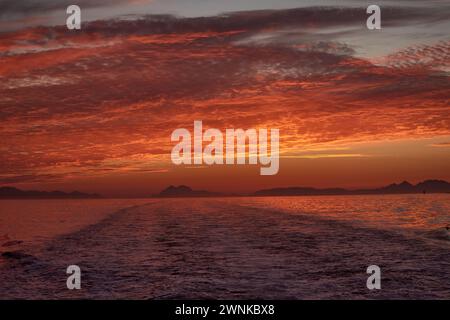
pixel 103 102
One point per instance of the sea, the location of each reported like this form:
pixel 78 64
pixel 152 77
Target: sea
pixel 306 247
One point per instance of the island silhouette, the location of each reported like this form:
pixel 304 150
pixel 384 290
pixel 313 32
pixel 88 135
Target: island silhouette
pixel 183 191
pixel 14 193
pixel 427 186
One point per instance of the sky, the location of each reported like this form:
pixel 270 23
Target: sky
pixel 94 109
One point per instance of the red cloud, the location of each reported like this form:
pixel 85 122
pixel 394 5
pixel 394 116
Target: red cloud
pixel 106 99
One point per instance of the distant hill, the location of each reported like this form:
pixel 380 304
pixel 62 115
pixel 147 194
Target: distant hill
pixel 185 191
pixel 14 193
pixel 433 186
pixel 428 186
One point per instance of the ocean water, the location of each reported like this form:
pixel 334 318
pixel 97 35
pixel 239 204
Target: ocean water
pixel 227 248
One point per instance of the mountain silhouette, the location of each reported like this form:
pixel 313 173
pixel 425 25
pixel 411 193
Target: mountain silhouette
pixel 14 193
pixel 185 191
pixel 428 186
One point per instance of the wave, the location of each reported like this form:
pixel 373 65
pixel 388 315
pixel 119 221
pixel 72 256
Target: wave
pixel 229 249
pixel 442 234
pixel 19 257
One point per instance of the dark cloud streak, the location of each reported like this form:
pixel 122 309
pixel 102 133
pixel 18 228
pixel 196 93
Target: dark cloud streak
pixel 23 8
